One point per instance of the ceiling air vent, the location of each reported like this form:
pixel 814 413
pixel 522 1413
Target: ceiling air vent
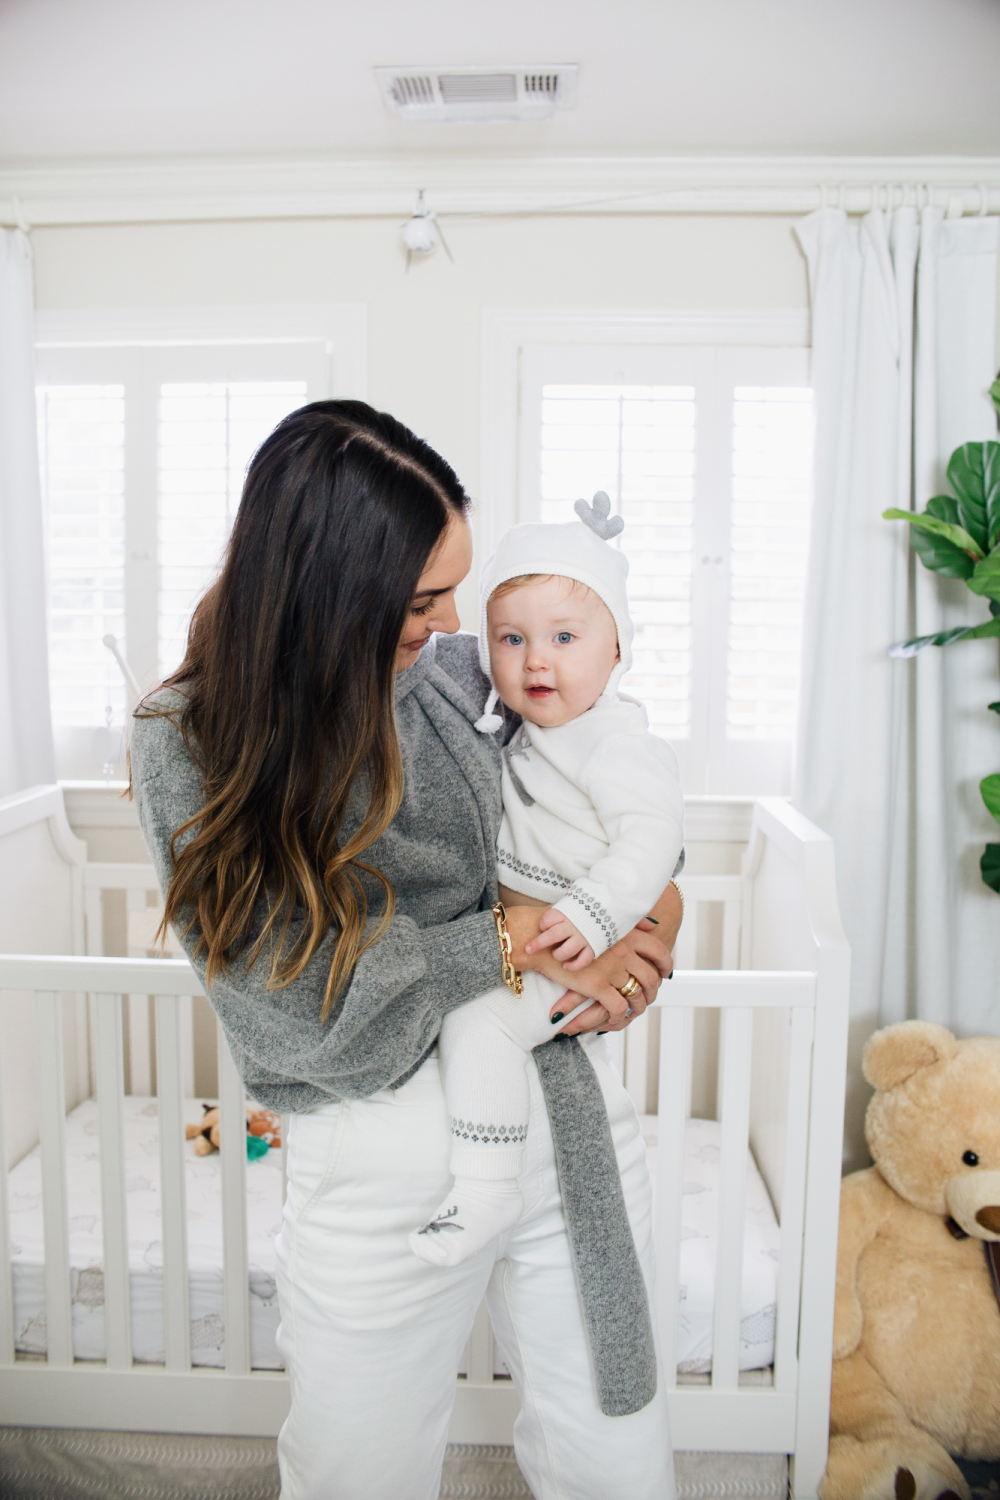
pixel 464 94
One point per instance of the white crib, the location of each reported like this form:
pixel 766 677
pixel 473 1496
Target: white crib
pixel 778 999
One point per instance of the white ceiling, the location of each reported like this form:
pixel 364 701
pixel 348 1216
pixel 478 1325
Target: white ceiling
pixel 126 78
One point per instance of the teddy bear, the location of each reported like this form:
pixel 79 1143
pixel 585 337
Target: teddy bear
pixel 263 1131
pixel 916 1373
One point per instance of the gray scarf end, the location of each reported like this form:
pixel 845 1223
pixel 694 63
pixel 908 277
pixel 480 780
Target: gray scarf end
pixel 608 1274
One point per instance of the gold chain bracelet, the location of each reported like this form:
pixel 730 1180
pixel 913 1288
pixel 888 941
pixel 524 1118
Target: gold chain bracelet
pixel 509 974
pixel 681 894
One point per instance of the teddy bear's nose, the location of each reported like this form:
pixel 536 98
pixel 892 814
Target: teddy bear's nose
pixel 989 1217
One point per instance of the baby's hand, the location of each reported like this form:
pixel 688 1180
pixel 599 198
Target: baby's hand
pixel 572 944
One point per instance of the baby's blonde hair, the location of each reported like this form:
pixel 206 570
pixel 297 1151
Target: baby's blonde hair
pixel 522 579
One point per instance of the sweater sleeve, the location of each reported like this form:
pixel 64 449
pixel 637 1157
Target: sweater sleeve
pixel 391 1013
pixel 633 784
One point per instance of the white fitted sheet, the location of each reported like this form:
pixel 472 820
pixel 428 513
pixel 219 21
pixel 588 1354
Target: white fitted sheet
pixel 699 1212
pixel 142 1189
pixel 699 1239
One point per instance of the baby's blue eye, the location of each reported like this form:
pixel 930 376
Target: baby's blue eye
pixel 514 640
pixel 564 637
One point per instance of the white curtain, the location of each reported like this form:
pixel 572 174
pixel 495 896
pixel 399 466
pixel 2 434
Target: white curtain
pixel 890 753
pixel 26 752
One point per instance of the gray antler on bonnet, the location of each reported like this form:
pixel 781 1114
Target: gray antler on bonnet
pixel 598 517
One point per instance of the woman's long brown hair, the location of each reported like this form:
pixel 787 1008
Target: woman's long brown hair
pixel 288 691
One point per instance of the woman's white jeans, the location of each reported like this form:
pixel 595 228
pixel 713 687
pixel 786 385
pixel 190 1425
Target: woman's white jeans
pixel 372 1337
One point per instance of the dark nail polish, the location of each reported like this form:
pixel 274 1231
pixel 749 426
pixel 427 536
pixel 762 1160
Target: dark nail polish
pixel 671 974
pixel 560 1015
pixel 653 920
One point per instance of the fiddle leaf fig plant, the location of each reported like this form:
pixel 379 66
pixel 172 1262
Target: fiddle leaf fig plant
pixel 958 536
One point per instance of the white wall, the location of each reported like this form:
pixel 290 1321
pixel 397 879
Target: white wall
pixel 424 326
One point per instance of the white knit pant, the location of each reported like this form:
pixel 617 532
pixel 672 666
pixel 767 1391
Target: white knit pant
pixel 484 1049
pixel 372 1336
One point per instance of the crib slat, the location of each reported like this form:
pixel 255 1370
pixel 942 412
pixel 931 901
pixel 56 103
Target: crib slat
pixel 52 1149
pixel 169 1088
pixel 111 1137
pixel 186 1004
pixel 734 1094
pixel 6 1284
pixel 235 1266
pixel 793 1201
pixel 675 1068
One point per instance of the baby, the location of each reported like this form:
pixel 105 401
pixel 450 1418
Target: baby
pixel 592 813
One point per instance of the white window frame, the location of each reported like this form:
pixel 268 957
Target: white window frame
pixel 142 347
pixel 526 348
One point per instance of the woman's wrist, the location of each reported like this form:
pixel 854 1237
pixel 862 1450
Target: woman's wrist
pixel 510 975
pixel 522 926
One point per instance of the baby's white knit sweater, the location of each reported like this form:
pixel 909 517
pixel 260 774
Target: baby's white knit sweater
pixel 593 818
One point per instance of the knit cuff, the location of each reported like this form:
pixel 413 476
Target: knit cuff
pixel 462 958
pixel 592 920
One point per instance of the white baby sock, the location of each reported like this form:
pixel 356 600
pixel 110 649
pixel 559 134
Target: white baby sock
pixel 473 1212
pixel 486 1086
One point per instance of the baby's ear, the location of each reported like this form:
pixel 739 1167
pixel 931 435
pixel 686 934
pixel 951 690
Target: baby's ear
pixel 894 1054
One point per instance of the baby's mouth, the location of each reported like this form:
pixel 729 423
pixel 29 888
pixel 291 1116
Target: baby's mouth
pixel 539 691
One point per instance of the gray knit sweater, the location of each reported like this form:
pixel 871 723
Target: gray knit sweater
pixel 439 951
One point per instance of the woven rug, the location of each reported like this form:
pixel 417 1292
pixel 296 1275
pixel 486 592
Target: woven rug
pixel 41 1463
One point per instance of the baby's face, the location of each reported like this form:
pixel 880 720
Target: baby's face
pixel 553 645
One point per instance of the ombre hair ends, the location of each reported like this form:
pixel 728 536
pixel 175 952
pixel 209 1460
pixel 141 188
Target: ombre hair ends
pixel 287 692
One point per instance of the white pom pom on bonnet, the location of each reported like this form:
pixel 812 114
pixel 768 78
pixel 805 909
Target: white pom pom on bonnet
pixel 573 549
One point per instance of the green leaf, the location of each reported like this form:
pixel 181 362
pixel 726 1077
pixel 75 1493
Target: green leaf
pixel 947 638
pixel 945 508
pixel 991 470
pixel 989 864
pixel 994 707
pixel 921 642
pixel 995 393
pixel 940 556
pixel 986 576
pixel 974 475
pixel 990 789
pixel 957 535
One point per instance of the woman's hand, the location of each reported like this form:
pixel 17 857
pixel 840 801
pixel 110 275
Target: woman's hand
pixel 641 954
pixel 646 956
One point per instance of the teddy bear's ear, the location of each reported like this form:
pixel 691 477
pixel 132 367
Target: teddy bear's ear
pixel 894 1054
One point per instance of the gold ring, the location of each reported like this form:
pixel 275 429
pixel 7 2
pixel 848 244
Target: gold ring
pixel 629 988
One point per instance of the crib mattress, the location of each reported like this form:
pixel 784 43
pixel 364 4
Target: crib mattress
pixel 699 1240
pixel 142 1189
pixel 204 1209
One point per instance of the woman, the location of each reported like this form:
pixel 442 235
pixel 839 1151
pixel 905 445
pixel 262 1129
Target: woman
pixel 322 816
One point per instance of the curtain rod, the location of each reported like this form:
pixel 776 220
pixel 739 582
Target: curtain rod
pixel 207 193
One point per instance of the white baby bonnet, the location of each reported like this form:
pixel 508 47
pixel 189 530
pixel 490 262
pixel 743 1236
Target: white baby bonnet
pixel 574 549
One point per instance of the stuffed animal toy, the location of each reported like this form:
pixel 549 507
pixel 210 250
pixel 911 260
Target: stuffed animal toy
pixel 916 1374
pixel 263 1131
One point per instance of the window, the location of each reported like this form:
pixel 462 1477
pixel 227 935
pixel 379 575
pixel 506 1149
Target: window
pixel 143 453
pixel 706 453
pixel 81 438
pixel 207 434
pixel 637 443
pixel 768 531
